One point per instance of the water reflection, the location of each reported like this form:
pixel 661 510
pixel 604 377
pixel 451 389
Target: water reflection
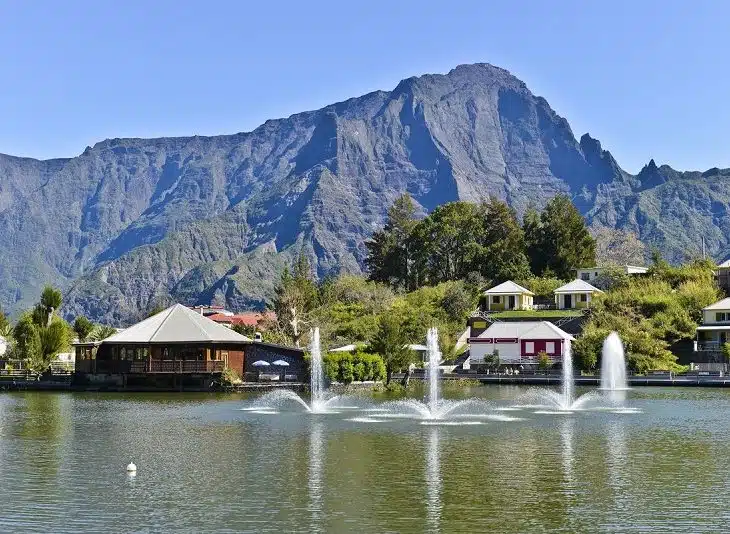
pixel 316 476
pixel 617 453
pixel 433 481
pixel 567 428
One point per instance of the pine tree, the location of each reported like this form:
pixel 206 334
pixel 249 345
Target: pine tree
pixel 389 257
pixel 565 242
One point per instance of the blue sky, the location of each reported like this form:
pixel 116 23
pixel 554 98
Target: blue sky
pixel 647 78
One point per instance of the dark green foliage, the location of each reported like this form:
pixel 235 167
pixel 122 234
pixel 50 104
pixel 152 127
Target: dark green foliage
pixel 83 328
pixel 391 343
pixel 500 254
pixel 492 360
pixel 460 238
pixel 26 339
pixel 389 252
pixel 39 335
pixel 346 367
pixel 561 241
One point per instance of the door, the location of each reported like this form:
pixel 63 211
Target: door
pixel 568 301
pixel 511 305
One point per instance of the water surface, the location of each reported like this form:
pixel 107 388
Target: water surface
pixel 205 465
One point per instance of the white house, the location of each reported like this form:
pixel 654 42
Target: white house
pixel 519 343
pixel 575 295
pixel 3 345
pixel 508 296
pixel 715 329
pixel 588 274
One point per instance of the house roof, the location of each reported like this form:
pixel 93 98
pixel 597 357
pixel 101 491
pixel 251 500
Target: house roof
pixel 177 324
pixel 247 318
pixel 578 286
pixel 508 288
pixel 725 264
pixel 723 304
pixel 525 330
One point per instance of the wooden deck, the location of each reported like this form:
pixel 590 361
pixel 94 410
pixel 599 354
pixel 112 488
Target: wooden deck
pixel 149 366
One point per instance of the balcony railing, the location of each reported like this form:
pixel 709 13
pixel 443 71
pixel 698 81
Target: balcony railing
pixel 149 366
pixel 709 346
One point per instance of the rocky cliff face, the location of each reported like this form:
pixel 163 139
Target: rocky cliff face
pixel 133 222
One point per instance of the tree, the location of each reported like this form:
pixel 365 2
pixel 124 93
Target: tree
pixel 54 338
pixel 543 360
pixel 458 301
pixel 532 227
pixel 295 298
pixel 391 342
pixel 83 327
pixel 562 242
pixel 244 329
pixel 492 360
pixel 4 324
pixel 50 302
pixel 27 341
pixel 102 331
pixel 444 244
pixel 618 247
pixel 389 256
pixel 500 254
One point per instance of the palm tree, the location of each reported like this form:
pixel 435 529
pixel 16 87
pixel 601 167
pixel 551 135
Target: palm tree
pixel 102 331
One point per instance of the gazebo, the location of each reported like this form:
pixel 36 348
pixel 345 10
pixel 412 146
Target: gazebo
pixel 177 340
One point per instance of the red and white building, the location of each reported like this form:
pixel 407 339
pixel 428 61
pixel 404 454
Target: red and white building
pixel 519 343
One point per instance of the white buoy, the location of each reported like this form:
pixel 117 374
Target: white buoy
pixel 131 468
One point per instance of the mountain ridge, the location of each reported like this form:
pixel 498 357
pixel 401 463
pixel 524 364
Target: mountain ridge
pixel 133 221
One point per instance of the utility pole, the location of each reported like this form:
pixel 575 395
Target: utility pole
pixel 703 248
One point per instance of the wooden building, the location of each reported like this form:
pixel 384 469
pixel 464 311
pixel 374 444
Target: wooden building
pixel 176 348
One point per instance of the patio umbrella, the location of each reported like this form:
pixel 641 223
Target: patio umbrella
pixel 281 363
pixel 260 363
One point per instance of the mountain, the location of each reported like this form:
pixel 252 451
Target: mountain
pixel 131 223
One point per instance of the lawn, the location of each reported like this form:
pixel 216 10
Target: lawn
pixel 536 314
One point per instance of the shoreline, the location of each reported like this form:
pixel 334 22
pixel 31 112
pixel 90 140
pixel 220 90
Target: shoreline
pixel 526 380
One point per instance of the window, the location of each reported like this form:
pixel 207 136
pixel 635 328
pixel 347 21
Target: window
pixel 720 317
pixel 596 273
pixel 583 297
pixel 495 299
pixel 585 276
pixel 550 347
pixel 529 347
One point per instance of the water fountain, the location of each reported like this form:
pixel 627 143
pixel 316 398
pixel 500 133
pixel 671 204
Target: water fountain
pixel 434 407
pixel 613 364
pixel 564 401
pixel 320 402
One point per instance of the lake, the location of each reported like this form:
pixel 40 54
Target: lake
pixel 205 465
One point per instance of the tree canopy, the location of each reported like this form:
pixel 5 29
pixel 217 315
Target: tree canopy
pixel 560 242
